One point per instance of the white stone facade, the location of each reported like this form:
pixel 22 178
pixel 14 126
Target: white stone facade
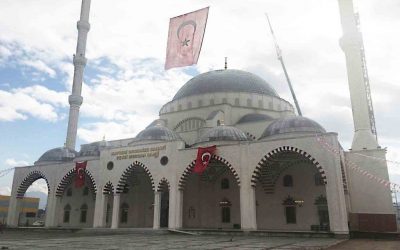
pixel 130 183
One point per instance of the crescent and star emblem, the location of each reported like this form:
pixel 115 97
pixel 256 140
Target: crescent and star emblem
pixel 186 41
pixel 205 157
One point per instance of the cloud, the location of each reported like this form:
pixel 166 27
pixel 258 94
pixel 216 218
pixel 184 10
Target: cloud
pixel 11 162
pixel 39 65
pixel 5 191
pixel 38 186
pixel 16 105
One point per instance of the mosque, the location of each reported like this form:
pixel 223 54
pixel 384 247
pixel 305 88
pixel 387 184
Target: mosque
pixel 272 170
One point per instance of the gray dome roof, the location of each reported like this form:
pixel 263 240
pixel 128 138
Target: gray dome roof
pixel 223 133
pixel 92 149
pixel 62 154
pixel 292 125
pixel 158 132
pixel 254 118
pixel 229 80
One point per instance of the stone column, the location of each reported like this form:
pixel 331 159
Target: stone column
pixel 175 208
pixel 115 214
pixel 100 210
pixel 248 207
pixel 157 208
pixel 13 211
pixel 179 209
pixel 338 218
pixel 51 211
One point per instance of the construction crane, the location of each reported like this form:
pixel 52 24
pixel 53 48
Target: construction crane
pixel 280 58
pixel 366 80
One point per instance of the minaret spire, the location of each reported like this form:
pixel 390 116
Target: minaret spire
pixel 351 43
pixel 75 99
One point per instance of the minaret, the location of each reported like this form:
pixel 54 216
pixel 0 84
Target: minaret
pixel 351 43
pixel 75 99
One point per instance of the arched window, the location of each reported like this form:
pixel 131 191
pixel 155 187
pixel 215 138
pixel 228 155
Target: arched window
pixel 323 214
pixel 290 210
pixel 288 181
pixel 319 181
pixel 226 214
pixel 67 213
pixel 225 205
pixel 249 103
pixel 225 183
pixel 108 213
pixel 124 213
pixel 83 217
pixel 85 191
pixel 69 192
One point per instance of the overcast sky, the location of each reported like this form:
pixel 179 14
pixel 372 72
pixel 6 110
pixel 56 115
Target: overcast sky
pixel 125 84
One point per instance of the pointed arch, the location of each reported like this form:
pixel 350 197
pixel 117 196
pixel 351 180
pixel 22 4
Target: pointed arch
pixel 124 178
pixel 190 167
pixel 108 188
pixel 200 122
pixel 270 157
pixel 28 180
pixel 68 178
pixel 163 183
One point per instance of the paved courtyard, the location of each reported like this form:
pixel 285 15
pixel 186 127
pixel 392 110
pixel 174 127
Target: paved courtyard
pixel 41 239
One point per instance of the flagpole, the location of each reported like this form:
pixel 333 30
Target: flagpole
pixel 280 58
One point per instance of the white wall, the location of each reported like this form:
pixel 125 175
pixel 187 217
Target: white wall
pixel 271 212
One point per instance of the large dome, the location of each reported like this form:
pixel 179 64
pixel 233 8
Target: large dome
pixel 62 154
pixel 228 80
pixel 295 124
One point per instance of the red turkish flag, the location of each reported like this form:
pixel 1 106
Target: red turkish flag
pixel 80 173
pixel 185 37
pixel 203 158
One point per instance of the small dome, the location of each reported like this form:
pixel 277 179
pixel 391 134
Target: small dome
pixel 159 133
pixel 296 124
pixel 223 133
pixel 62 154
pixel 254 118
pixel 228 80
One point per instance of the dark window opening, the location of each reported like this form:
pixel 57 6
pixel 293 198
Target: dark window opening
pixel 83 217
pixel 110 165
pixel 67 211
pixel 226 214
pixel 108 213
pixel 124 213
pixel 290 213
pixel 66 216
pixel 288 181
pixel 323 215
